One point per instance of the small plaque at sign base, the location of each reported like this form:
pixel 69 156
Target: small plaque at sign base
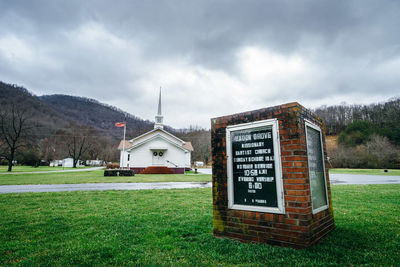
pixel 270 184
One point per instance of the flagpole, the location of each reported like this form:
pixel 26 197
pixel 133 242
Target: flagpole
pixel 123 147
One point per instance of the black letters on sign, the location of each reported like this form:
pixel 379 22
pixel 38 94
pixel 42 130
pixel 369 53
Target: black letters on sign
pixel 253 166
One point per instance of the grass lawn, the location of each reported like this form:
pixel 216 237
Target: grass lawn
pixel 174 227
pixel 96 177
pixel 366 171
pixel 37 169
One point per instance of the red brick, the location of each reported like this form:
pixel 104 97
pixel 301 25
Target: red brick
pixel 298 192
pixel 290 105
pixel 287 164
pixel 301 186
pixel 300 164
pixel 296 181
pixel 295 169
pixel 286 142
pixel 286 153
pixel 290 198
pixel 295 147
pixel 296 158
pixel 290 221
pixel 301 175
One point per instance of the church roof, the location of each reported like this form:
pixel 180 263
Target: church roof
pixel 188 146
pixel 147 137
pixel 176 139
pixel 121 144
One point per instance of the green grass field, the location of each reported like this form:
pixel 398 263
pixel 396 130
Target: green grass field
pixel 174 227
pixel 96 177
pixel 37 169
pixel 367 171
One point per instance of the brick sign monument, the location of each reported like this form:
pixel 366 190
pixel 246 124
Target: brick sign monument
pixel 270 184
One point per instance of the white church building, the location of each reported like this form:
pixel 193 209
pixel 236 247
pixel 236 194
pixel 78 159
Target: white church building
pixel 156 148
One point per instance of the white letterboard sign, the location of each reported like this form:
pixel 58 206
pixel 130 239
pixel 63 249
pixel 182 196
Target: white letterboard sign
pixel 254 167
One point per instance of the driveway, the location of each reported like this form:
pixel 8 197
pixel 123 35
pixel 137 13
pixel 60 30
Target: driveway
pixel 336 178
pixel 347 178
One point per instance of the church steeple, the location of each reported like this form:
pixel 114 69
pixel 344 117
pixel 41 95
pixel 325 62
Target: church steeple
pixel 159 117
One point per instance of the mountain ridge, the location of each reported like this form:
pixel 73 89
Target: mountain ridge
pixel 52 112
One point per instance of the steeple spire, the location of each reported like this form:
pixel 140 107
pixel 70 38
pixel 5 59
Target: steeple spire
pixel 159 103
pixel 159 117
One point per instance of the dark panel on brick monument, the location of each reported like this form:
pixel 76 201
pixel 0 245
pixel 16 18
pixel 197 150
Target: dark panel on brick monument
pixel 253 165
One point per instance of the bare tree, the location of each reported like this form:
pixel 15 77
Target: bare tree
pixel 200 139
pixel 14 128
pixel 77 141
pixel 48 148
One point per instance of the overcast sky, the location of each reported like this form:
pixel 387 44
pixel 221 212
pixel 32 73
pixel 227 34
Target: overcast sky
pixel 211 58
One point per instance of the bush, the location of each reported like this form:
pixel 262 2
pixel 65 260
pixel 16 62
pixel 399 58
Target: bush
pixel 377 153
pixel 157 170
pixel 28 157
pixel 112 165
pixel 357 133
pixel 115 165
pixel 119 173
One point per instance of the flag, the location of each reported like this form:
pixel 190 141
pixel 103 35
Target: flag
pixel 120 124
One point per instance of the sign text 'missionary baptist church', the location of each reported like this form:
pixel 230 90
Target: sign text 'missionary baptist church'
pixel 270 184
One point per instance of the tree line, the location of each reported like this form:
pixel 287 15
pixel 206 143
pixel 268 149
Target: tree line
pixel 385 116
pixel 20 141
pixel 368 135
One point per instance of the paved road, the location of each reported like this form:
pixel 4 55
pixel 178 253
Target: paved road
pixel 74 170
pixel 335 179
pixel 363 179
pixel 347 178
pixel 98 186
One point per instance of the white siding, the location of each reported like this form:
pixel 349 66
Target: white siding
pixel 142 156
pixel 69 162
pixel 188 159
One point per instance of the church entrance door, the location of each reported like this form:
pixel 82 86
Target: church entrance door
pixel 158 158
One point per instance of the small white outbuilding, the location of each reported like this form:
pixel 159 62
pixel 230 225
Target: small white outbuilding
pixel 69 163
pixel 156 148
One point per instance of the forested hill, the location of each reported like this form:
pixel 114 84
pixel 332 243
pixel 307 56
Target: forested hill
pixel 384 116
pixel 101 117
pixel 337 117
pixel 53 112
pixel 46 119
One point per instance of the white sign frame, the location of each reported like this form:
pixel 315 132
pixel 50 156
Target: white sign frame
pixel 278 166
pixel 317 128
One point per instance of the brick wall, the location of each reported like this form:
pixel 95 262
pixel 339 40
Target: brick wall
pixel 138 170
pixel 298 227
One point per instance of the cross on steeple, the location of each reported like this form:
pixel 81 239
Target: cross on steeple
pixel 159 117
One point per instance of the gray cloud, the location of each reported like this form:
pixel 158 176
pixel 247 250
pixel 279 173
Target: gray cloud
pixel 212 57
